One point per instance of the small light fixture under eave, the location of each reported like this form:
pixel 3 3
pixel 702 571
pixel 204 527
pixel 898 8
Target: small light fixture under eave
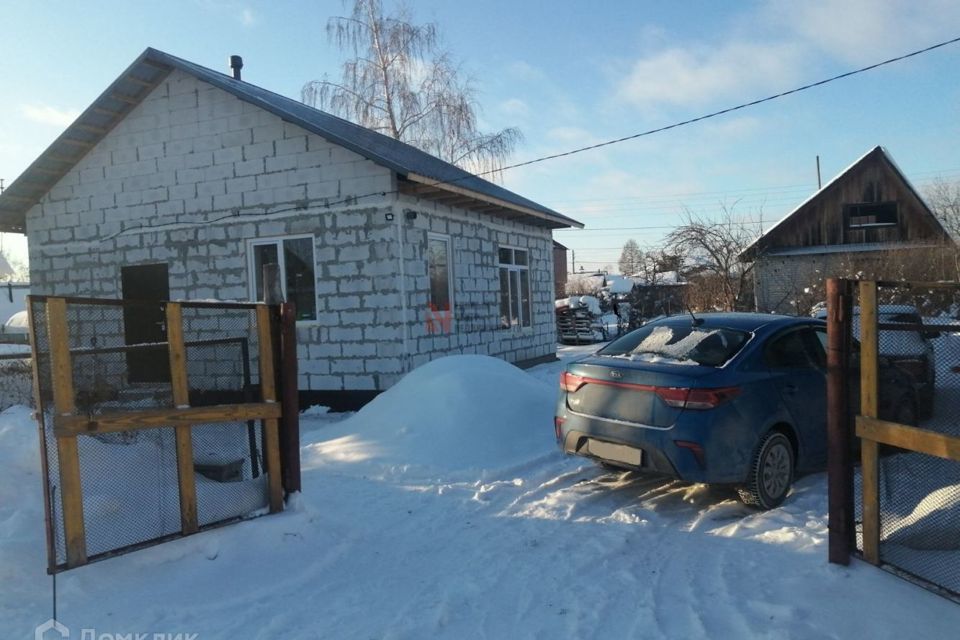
pixel 410 214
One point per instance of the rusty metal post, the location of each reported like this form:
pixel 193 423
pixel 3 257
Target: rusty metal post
pixel 289 399
pixel 839 438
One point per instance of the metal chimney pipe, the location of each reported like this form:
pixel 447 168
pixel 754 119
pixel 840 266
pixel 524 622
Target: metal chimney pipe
pixel 236 63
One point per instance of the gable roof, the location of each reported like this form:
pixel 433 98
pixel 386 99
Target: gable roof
pixel 760 245
pixel 153 66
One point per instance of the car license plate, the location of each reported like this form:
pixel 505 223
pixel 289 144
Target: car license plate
pixel 616 452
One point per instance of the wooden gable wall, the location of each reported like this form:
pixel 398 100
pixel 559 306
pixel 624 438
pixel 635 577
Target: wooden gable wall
pixel 822 221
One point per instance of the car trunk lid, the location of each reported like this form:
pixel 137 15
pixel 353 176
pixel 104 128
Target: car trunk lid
pixel 644 393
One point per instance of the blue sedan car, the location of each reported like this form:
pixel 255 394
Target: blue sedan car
pixel 725 398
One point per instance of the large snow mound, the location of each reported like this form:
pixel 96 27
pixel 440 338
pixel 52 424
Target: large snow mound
pixel 456 413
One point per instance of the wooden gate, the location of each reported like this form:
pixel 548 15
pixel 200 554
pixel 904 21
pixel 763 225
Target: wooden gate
pixel 97 421
pixel 907 427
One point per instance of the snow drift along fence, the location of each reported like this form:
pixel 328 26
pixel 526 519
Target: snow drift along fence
pixel 905 507
pixel 158 419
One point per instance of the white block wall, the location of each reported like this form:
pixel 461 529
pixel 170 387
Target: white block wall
pixel 193 173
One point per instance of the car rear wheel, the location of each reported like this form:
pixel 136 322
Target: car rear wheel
pixel 771 473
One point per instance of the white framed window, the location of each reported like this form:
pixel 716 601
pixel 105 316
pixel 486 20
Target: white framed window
pixel 440 271
pixel 294 255
pixel 514 288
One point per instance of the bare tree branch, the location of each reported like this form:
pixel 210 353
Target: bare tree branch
pixel 712 250
pixel 400 82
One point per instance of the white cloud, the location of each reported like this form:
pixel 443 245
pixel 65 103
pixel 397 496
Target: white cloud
pixel 700 75
pixel 571 136
pixel 46 114
pixel 515 107
pixel 862 31
pixel 779 45
pixel 523 70
pixel 247 17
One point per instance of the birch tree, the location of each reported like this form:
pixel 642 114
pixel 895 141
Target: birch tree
pixel 399 80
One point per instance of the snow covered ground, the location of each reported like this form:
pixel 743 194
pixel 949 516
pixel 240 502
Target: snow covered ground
pixel 445 510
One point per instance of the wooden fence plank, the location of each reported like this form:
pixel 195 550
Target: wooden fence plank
pixel 869 406
pixel 68 453
pixel 271 447
pixel 904 436
pixel 71 495
pixel 870 472
pixel 869 350
pixel 42 428
pixel 268 387
pixel 152 418
pixel 181 400
pixel 268 380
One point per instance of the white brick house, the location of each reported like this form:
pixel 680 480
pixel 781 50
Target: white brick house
pixel 181 181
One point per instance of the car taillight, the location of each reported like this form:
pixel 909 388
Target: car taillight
pixel 557 423
pixel 674 396
pixel 571 382
pixel 916 368
pixel 684 398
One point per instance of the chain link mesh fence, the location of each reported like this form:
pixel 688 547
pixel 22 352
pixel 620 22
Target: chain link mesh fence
pixel 919 386
pixel 16 376
pixel 129 478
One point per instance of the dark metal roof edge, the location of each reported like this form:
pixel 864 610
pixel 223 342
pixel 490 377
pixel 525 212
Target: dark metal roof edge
pixel 68 133
pixel 227 83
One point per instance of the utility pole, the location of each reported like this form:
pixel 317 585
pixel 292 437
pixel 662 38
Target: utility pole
pixel 819 184
pixel 573 260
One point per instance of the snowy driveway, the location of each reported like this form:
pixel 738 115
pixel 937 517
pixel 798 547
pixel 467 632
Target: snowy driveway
pixel 408 529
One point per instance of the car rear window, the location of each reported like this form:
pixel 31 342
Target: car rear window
pixel 684 344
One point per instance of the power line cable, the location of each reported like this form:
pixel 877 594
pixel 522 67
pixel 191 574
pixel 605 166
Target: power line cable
pixel 721 112
pixel 235 212
pixel 741 195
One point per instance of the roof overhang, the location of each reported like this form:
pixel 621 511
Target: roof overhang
pixel 126 92
pixel 865 247
pixel 451 185
pixel 456 195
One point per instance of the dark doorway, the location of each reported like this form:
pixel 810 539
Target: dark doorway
pixel 146 323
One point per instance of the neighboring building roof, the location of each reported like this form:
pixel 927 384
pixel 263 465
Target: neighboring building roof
pixel 758 246
pixel 844 248
pixel 557 245
pixel 153 66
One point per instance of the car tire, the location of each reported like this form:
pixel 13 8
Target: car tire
pixel 771 473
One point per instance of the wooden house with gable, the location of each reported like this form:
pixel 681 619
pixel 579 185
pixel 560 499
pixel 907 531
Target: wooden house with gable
pixel 868 218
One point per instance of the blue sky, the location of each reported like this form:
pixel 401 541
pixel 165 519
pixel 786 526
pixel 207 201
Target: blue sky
pixel 568 74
